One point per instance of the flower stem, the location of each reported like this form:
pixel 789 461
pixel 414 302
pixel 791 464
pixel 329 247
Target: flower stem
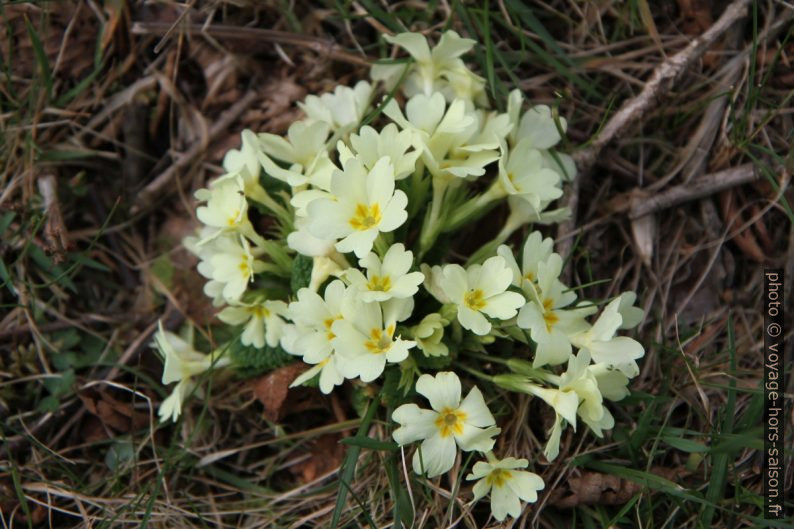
pixel 487 358
pixel 279 211
pixel 476 373
pixel 381 246
pixel 475 207
pixel 513 222
pixel 430 228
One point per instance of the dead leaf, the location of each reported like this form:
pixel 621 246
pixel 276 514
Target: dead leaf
pixel 92 430
pixel 220 74
pixel 118 416
pixel 705 337
pixel 695 16
pixel 595 488
pixel 644 233
pixel 647 19
pixel 326 455
pixel 272 389
pixel 734 218
pixel 56 234
pixel 760 229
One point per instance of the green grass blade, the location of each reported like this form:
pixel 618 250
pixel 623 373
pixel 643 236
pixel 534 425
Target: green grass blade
pixel 348 468
pixel 41 57
pixel 403 512
pixel 721 461
pixel 489 49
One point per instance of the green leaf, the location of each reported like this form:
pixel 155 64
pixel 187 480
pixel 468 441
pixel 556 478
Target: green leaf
pixel 403 511
pixel 119 453
pixel 250 361
pixel 90 263
pixel 60 384
pixel 48 404
pixel 685 445
pixel 431 362
pixel 301 272
pixel 163 269
pixel 5 220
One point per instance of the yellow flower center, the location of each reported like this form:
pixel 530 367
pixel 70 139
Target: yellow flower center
pixel 498 477
pixel 450 421
pixel 366 216
pixel 380 341
pixel 260 311
pixel 512 178
pixel 530 276
pixel 327 323
pixel 244 267
pixel 548 315
pixel 232 220
pixel 379 283
pixel 474 299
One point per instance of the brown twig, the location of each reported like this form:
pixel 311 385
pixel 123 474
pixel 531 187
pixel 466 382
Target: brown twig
pixel 156 186
pixel 662 80
pixel 220 31
pixel 641 202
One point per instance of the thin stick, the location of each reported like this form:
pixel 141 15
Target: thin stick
pixel 662 80
pixel 641 202
pixel 156 186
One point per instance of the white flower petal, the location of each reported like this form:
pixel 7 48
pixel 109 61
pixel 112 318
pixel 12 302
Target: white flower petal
pixel 526 485
pixel 504 306
pixel 477 412
pixel 473 321
pixel 442 391
pixel 504 502
pixel 415 424
pixel 479 439
pixel 435 455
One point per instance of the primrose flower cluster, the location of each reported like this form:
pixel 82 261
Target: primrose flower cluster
pixel 378 189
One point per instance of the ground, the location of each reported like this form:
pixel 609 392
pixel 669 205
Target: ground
pixel 114 112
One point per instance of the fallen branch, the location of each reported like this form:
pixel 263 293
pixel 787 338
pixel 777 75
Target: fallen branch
pixel 662 80
pixel 640 202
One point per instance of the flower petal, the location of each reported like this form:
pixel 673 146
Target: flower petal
pixel 477 412
pixel 503 502
pixel 442 391
pixel 415 424
pixel 435 455
pixel 525 485
pixel 473 321
pixel 479 439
